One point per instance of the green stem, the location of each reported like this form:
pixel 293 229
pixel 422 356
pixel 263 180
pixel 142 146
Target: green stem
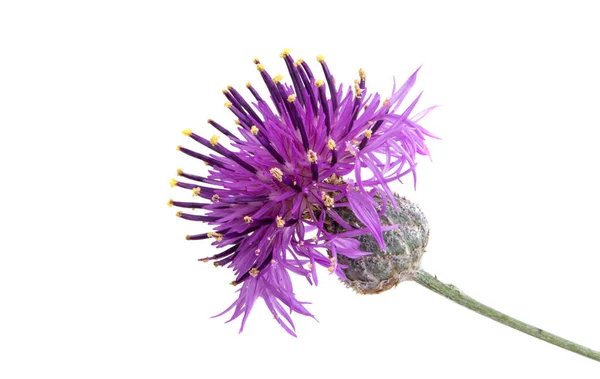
pixel 454 294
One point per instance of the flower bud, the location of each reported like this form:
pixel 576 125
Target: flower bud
pixel 405 245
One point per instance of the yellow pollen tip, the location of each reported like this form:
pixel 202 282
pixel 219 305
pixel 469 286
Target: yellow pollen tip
pixel 170 203
pixel 385 101
pixel 256 60
pixel 225 91
pixel 254 130
pixel 260 67
pixel 215 235
pixel 280 222
pixel 209 120
pixel 368 133
pixel 216 264
pixel 320 58
pixel 331 144
pixel 254 272
pixel 196 191
pixel 327 200
pixel 298 62
pixel 229 87
pixel 187 132
pixel 247 219
pixel 178 214
pixel 214 140
pixel 228 104
pixel 362 73
pixel 173 182
pixel 312 156
pixel 285 53
pixel 330 268
pixel 248 85
pixel 178 147
pixel 234 283
pixel 215 198
pixel 319 83
pixel 277 174
pixel 179 171
pixel 278 78
pixel 237 122
pixel 188 237
pixel 291 98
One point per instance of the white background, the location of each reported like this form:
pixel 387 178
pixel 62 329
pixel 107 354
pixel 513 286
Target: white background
pixel 97 281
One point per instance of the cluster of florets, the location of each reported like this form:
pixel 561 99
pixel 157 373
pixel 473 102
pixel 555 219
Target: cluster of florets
pixel 295 158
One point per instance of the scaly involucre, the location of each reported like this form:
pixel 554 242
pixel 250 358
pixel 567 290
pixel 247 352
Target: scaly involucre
pixel 296 157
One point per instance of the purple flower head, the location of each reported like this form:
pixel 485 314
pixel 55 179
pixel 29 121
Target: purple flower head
pixel 298 155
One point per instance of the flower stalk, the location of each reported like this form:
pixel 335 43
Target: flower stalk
pixel 450 292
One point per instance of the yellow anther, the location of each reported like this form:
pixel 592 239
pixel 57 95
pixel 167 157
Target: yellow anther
pixel 234 283
pixel 206 163
pixel 237 122
pixel 215 235
pixel 228 104
pixel 309 266
pixel 225 91
pixel 315 238
pixel 285 53
pixel 178 147
pixel 216 264
pixel 291 98
pixel 179 171
pixel 280 222
pixel 330 268
pixel 248 219
pixel 260 67
pixel 358 91
pixel 331 144
pixel 320 58
pixel 254 130
pixel 370 122
pixel 170 203
pixel 254 272
pixel 187 132
pixel 229 87
pixel 368 133
pixel 312 156
pixel 178 214
pixel 362 73
pixel 188 237
pixel 319 83
pixel 327 200
pixel 215 197
pixel 196 191
pixel 248 85
pixel 356 81
pixel 298 62
pixel 173 182
pixel 214 140
pixel 385 101
pixel 277 174
pixel 278 78
pixel 256 60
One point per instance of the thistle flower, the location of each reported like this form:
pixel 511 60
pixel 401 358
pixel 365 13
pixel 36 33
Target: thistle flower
pixel 300 156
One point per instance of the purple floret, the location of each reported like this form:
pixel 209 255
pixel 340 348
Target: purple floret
pixel 295 158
